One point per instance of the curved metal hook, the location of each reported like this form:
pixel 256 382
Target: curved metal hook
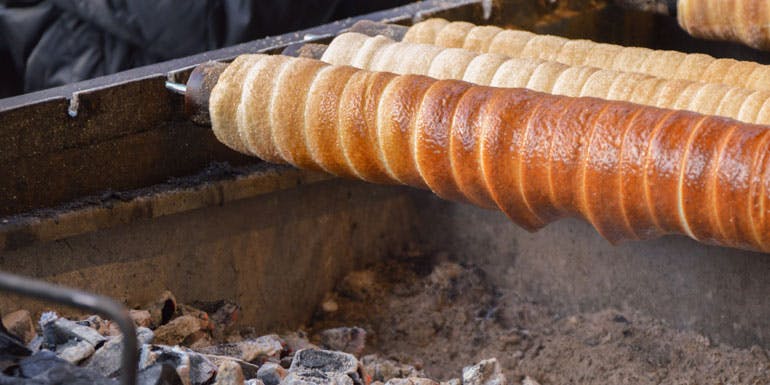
pixel 98 304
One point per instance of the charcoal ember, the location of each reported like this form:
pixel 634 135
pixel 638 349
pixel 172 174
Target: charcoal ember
pixel 141 318
pixel 185 309
pixel 112 329
pixel 317 378
pixel 229 373
pixel 19 323
pixel 323 360
pixel 199 340
pixel 345 339
pixel 160 374
pixel 316 366
pixel 255 350
pixel 162 310
pixel 144 335
pixel 249 370
pixel 382 369
pixel 412 381
pixel 38 363
pixel 45 367
pixel 57 331
pixel 201 369
pixel 261 348
pixel 75 351
pixel 486 372
pixel 11 350
pixel 106 360
pixel 72 375
pixel 185 329
pixel 102 326
pixel 271 373
pixel 193 368
pixel 223 314
pixel 93 321
pixel 296 341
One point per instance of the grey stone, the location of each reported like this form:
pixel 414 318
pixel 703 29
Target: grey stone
pixel 271 373
pixel 486 372
pixel 345 339
pixel 75 351
pixel 229 373
pixel 254 381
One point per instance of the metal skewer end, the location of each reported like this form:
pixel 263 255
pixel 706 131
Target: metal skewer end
pixel 177 88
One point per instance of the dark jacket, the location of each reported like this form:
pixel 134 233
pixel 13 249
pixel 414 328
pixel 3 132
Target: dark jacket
pixel 46 43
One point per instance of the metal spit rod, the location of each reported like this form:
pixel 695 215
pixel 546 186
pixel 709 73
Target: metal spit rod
pixel 98 304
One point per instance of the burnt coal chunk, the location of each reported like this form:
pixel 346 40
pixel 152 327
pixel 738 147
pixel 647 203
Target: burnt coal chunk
pixel 160 374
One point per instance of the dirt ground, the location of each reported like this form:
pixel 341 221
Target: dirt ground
pixel 441 316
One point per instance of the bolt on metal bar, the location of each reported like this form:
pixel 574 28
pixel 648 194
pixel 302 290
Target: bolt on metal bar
pixel 98 304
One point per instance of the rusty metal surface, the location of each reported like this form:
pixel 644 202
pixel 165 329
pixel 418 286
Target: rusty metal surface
pixel 210 188
pixel 126 131
pixel 275 254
